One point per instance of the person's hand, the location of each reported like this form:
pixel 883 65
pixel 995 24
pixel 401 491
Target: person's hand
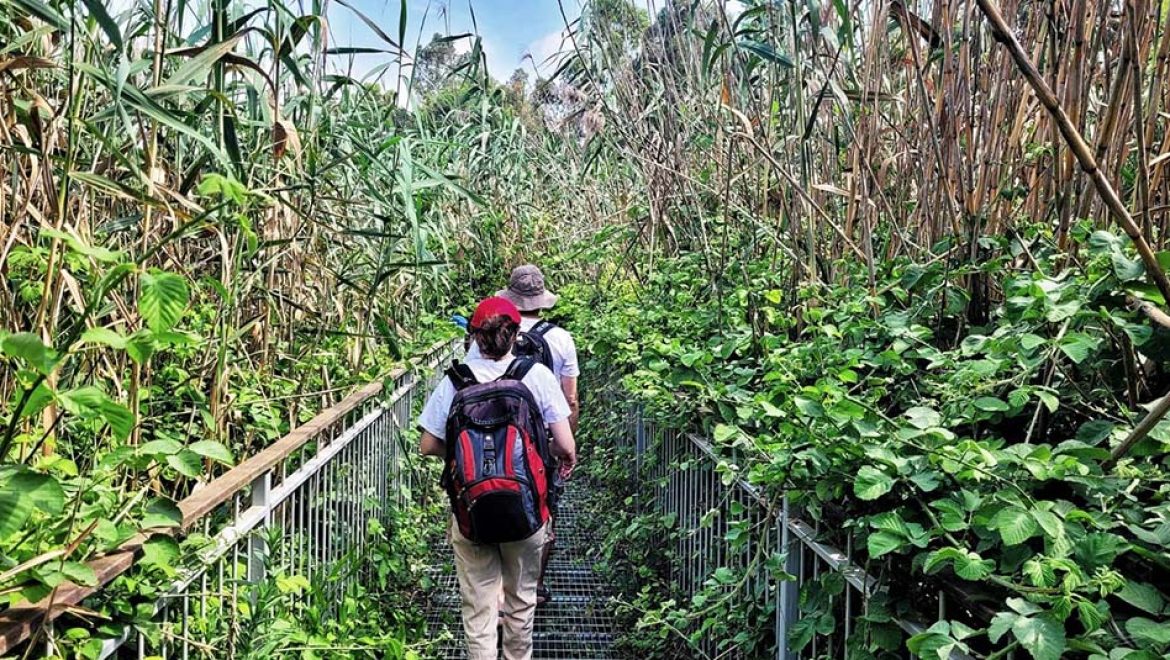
pixel 567 464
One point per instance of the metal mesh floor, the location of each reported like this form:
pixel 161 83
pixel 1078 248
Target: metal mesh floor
pixel 577 625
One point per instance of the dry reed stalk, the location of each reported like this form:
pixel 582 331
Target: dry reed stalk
pixel 1078 145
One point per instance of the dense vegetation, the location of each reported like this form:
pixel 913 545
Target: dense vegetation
pixel 903 263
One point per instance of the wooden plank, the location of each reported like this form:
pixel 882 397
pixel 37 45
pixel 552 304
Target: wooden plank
pixel 20 622
pixel 206 499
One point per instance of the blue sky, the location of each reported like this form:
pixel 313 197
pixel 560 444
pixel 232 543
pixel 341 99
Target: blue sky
pixel 509 28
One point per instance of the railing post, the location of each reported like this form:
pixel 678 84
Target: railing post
pixel 257 542
pixel 639 435
pixel 787 607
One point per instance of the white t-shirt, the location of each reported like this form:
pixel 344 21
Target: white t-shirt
pixel 560 344
pixel 539 380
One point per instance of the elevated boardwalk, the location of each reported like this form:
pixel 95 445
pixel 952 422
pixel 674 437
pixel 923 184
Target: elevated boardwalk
pixel 577 625
pixel 302 505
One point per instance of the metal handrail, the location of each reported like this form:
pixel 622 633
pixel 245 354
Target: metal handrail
pixel 254 475
pixel 686 493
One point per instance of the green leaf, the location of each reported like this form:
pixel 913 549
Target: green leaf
pixel 97 9
pixel 1091 615
pixel 991 404
pixel 40 397
pixel 1077 346
pixel 42 491
pixel 84 401
pixel 1041 636
pixel 80 247
pixel 140 346
pixel 161 551
pixel 213 450
pixel 79 573
pixel 44 12
pixel 198 66
pixel 766 52
pixel 164 447
pixel 30 348
pixel 15 508
pixel 923 418
pixel 161 513
pixel 1052 525
pixel 882 543
pixel 871 483
pixel 725 432
pixel 1142 596
pixel 1151 631
pixel 89 402
pixel 119 417
pixel 1126 269
pixel 187 463
pixel 1048 399
pixel 1093 432
pixel 808 407
pixel 1015 525
pixel 164 297
pixel 968 565
pixel 1000 624
pixel 104 336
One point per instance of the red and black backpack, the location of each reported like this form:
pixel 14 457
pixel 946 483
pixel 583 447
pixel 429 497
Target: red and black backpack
pixel 497 452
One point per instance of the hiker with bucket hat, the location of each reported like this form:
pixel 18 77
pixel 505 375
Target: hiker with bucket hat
pixel 548 344
pixel 497 421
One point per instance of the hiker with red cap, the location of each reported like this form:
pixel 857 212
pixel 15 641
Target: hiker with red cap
pixel 553 346
pixel 490 419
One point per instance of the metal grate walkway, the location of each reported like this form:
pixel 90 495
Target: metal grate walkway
pixel 577 625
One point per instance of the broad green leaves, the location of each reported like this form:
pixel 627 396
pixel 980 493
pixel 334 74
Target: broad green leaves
pixel 871 483
pixel 967 564
pixel 1015 525
pixel 21 493
pixel 894 534
pixel 1038 632
pixel 1143 596
pixel 89 402
pixel 213 450
pixel 160 551
pixel 29 347
pixel 1148 631
pixel 161 513
pixel 1078 346
pixel 923 418
pixel 941 640
pixel 163 299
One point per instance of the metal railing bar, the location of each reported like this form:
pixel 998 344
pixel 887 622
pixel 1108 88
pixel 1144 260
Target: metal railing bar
pixel 679 494
pixel 19 622
pixel 254 516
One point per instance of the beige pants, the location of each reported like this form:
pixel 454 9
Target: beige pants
pixel 482 570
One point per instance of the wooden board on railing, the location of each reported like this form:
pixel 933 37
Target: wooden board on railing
pixel 20 622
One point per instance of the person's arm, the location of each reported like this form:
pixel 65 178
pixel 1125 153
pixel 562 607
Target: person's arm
pixel 431 445
pixel 564 446
pixel 569 387
pixel 433 420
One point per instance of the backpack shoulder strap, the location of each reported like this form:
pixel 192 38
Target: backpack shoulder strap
pixel 461 376
pixel 518 369
pixel 542 327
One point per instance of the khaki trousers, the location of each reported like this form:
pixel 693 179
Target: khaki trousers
pixel 482 570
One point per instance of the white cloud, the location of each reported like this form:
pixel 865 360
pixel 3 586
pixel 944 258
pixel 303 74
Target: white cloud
pixel 548 52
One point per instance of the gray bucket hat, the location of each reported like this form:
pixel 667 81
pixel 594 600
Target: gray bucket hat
pixel 526 289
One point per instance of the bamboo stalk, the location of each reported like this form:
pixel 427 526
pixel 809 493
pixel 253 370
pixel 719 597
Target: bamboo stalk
pixel 1077 144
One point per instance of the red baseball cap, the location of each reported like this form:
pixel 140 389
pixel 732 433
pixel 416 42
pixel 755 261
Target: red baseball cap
pixel 494 306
